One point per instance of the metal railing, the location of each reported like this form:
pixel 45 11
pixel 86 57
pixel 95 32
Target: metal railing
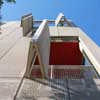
pixel 66 72
pixel 58 83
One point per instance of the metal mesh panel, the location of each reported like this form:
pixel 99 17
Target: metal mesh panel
pixel 64 83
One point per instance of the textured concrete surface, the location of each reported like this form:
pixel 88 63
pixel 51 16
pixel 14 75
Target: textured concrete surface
pixel 33 90
pixel 85 89
pixel 13 59
pixel 8 87
pixel 64 90
pixel 62 31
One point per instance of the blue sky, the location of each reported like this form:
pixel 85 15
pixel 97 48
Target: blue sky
pixel 84 13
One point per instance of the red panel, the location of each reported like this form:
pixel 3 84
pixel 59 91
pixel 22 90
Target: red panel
pixel 62 53
pixel 36 61
pixel 65 53
pixel 62 73
pixel 36 73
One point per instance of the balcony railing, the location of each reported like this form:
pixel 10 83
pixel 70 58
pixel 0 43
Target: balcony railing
pixel 66 72
pixel 63 82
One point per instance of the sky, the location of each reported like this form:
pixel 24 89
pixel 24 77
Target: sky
pixel 84 13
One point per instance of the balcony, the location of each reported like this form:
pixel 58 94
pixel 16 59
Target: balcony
pixel 69 73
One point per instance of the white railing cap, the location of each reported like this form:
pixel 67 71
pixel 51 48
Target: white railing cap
pixel 39 30
pixel 61 15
